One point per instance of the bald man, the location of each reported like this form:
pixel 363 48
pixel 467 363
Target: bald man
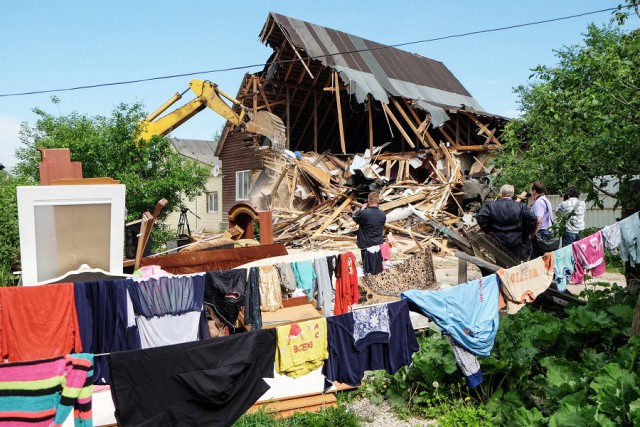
pixel 506 220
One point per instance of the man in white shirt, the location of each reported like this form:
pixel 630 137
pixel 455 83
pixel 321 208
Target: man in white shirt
pixel 575 209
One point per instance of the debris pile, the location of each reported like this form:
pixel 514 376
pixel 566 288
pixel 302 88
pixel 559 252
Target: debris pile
pixel 313 196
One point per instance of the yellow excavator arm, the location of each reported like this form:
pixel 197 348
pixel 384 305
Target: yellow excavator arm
pixel 209 95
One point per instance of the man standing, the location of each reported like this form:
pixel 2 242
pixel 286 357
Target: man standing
pixel 542 209
pixel 371 221
pixel 507 221
pixel 574 209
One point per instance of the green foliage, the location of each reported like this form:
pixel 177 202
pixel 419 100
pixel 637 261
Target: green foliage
pixel 108 147
pixel 330 417
pixel 9 233
pixel 581 368
pixel 580 118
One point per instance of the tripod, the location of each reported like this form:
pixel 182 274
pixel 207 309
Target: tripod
pixel 183 222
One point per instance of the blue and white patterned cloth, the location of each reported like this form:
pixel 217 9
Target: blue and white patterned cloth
pixel 370 319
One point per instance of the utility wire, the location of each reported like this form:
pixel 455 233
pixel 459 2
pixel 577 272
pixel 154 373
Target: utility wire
pixel 244 67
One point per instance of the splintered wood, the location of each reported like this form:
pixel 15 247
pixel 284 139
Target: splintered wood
pixel 314 196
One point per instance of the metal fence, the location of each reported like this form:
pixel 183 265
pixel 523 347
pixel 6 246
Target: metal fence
pixel 594 216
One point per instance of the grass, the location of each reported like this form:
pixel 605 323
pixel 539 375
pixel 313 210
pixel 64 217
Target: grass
pixel 339 416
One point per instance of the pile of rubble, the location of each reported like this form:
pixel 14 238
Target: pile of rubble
pixel 313 196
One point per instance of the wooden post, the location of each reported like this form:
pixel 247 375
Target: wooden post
pixel 315 123
pixel 343 144
pixel 370 125
pixel 288 119
pixel 254 83
pixel 462 271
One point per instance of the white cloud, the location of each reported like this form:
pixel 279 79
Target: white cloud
pixel 9 140
pixel 511 113
pixel 493 82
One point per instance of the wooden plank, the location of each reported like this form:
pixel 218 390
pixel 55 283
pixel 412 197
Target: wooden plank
pixel 502 258
pixel 285 224
pixel 339 106
pixel 263 95
pixel 402 201
pixel 422 236
pixel 315 122
pixel 335 213
pixel 370 107
pixel 410 123
pixel 483 128
pixel 477 261
pixel 398 125
pixel 451 234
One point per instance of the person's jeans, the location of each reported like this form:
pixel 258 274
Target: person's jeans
pixel 569 237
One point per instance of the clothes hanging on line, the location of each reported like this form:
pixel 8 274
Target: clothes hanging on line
pixel 467 363
pixel 326 295
pixel 611 237
pixel 467 312
pixel 104 320
pixel 371 260
pixel 630 239
pixel 38 322
pixel 167 295
pixel 252 313
pixel 204 383
pixel 169 329
pixel 563 267
pixel 589 256
pixel 347 363
pixel 371 325
pixel 347 289
pixel 45 392
pixel 524 282
pixel 225 292
pixel 302 347
pixel 270 289
pixel 305 276
pixel 287 278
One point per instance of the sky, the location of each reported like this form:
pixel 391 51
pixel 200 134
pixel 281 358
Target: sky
pixel 50 45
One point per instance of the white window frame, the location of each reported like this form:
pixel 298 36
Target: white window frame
pixel 242 176
pixel 213 207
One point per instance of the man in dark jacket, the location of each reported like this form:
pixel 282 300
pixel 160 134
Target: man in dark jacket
pixel 507 221
pixel 370 234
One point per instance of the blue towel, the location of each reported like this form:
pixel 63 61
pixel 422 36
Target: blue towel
pixel 467 312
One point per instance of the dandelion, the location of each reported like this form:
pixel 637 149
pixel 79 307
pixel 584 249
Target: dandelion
pixel 435 384
pixel 466 399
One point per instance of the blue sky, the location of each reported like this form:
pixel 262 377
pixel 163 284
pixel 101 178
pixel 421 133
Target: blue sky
pixel 48 45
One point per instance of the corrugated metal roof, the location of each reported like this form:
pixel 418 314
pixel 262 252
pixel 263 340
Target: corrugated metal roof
pixel 197 149
pixel 373 68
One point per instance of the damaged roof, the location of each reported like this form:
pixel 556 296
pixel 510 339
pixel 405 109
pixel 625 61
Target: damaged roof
pixel 367 67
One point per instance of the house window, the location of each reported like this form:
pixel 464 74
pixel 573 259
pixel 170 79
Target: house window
pixel 242 185
pixel 212 201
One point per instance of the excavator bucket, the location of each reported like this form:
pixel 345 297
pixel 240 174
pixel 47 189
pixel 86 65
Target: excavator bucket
pixel 269 125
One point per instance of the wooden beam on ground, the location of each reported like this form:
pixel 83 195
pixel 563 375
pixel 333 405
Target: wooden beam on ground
pixel 402 201
pixel 478 261
pixel 422 236
pixel 461 241
pixel 335 213
pixel 462 271
pixel 502 258
pixel 339 106
pixel 398 125
pixel 285 224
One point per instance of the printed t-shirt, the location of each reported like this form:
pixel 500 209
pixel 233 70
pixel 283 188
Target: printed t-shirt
pixel 524 282
pixel 302 347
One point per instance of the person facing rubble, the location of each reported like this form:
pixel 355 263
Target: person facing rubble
pixel 370 233
pixel 574 209
pixel 507 221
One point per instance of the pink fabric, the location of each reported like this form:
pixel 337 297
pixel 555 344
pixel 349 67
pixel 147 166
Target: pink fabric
pixel 589 256
pixel 385 250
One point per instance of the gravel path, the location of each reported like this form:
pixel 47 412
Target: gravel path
pixel 383 416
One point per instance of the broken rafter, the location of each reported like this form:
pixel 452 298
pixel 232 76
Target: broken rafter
pixel 398 125
pixel 336 81
pixel 410 123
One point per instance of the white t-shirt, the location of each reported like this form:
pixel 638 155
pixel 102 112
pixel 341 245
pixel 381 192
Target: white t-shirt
pixel 578 207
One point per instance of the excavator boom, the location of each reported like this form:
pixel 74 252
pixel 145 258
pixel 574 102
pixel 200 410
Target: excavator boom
pixel 209 95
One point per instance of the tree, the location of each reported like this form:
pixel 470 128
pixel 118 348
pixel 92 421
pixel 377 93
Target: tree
pixel 9 234
pixel 107 147
pixel 580 118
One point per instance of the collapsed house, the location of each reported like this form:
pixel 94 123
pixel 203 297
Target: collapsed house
pixel 359 116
